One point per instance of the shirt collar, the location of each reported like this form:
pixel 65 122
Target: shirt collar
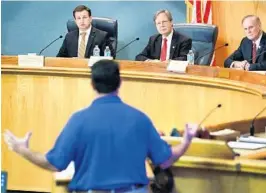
pixel 109 98
pixel 88 31
pixel 169 37
pixel 257 42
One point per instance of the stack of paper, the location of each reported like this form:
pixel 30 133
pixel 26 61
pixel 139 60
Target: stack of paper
pixel 244 145
pixel 252 139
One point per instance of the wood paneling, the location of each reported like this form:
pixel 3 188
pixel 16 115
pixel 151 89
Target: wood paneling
pixel 42 99
pixel 227 15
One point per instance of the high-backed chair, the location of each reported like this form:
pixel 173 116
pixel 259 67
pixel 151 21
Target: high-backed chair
pixel 3 181
pixel 101 23
pixel 203 37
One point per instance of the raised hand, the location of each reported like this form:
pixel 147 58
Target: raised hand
pixel 190 131
pixel 16 144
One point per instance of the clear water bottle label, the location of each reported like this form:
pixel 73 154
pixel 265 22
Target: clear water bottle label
pixel 190 58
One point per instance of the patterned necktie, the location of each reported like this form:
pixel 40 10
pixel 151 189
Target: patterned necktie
pixel 82 46
pixel 254 52
pixel 164 50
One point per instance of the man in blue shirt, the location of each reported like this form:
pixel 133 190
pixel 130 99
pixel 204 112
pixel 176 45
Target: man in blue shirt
pixel 108 141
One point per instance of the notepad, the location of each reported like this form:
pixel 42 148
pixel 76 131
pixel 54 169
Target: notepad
pixel 245 145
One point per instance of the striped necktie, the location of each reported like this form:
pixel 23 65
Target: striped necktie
pixel 164 50
pixel 82 46
pixel 254 52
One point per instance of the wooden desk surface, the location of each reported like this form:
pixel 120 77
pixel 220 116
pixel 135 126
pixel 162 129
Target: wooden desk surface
pixel 155 71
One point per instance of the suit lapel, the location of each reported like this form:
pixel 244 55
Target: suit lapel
pixel 173 44
pixel 90 41
pixel 262 46
pixel 158 45
pixel 249 51
pixel 76 43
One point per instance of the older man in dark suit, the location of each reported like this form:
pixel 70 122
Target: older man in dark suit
pixel 251 54
pixel 168 44
pixel 80 43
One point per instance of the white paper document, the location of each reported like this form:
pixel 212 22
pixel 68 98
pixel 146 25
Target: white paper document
pixel 30 60
pixel 177 66
pixel 94 59
pixel 252 139
pixel 244 145
pixel 67 173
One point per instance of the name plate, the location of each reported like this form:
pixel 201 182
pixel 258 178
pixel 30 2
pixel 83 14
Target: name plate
pixel 30 60
pixel 94 59
pixel 177 66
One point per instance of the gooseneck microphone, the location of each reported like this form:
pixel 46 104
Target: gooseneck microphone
pixel 218 106
pixel 50 44
pixel 213 50
pixel 136 39
pixel 252 127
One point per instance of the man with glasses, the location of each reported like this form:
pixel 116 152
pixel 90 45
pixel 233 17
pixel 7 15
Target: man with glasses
pixel 168 44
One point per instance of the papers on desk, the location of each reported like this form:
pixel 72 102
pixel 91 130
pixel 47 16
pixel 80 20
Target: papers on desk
pixel 177 66
pixel 31 60
pixel 66 174
pixel 245 145
pixel 94 59
pixel 223 132
pixel 259 72
pixel 252 139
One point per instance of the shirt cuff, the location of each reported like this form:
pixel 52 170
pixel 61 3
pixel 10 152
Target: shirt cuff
pixel 232 65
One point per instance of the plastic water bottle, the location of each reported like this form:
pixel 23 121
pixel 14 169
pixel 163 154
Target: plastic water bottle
pixel 107 51
pixel 96 51
pixel 190 57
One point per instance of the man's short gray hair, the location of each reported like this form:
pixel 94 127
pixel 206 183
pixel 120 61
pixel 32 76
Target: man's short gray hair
pixel 167 13
pixel 254 16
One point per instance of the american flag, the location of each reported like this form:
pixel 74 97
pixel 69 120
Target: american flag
pixel 200 11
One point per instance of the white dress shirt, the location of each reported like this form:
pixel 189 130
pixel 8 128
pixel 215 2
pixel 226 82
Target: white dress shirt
pixel 257 42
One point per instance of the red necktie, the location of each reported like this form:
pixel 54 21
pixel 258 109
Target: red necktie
pixel 164 50
pixel 254 51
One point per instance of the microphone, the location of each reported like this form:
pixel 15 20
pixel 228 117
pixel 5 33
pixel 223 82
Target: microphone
pixel 218 106
pixel 213 50
pixel 50 44
pixel 252 128
pixel 136 39
pixel 256 56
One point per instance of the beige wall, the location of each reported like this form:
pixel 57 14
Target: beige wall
pixel 228 15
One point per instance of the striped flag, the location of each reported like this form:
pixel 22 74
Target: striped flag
pixel 200 11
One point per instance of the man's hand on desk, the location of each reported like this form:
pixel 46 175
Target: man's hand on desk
pixel 239 65
pixel 247 65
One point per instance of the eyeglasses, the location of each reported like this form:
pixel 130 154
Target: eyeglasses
pixel 162 22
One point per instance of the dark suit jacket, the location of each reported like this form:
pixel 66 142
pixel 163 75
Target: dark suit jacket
pixel 244 52
pixel 180 46
pixel 69 47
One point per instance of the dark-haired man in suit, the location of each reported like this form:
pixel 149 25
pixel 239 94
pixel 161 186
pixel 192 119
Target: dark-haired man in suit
pixel 80 43
pixel 251 54
pixel 168 44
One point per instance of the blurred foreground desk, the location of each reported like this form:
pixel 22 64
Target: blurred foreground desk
pixel 42 100
pixel 194 174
